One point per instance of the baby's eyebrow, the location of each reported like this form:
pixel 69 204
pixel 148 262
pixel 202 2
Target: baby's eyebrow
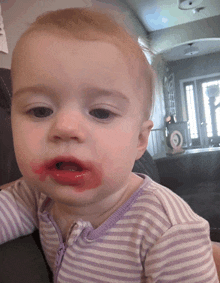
pixel 89 92
pixel 96 92
pixel 33 89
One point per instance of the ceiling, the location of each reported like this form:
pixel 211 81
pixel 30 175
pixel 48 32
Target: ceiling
pixel 160 16
pixel 204 47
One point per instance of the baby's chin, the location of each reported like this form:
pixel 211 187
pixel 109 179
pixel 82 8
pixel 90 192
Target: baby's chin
pixel 72 199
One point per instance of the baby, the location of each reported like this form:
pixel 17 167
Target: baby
pixel 82 96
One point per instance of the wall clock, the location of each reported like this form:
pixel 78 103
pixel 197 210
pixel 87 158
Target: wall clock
pixel 175 142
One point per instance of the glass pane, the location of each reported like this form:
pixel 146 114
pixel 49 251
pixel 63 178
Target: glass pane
pixel 217 111
pixel 207 109
pixel 191 111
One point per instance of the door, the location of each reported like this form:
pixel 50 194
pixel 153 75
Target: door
pixel 209 94
pixel 203 110
pixel 192 113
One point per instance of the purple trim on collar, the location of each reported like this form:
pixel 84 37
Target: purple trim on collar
pixel 92 234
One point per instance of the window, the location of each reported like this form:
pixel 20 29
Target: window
pixel 208 107
pixel 202 109
pixel 189 89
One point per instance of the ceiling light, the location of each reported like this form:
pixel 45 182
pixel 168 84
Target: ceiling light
pixel 197 10
pixel 188 4
pixel 191 50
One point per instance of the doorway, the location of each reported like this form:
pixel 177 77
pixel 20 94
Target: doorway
pixel 203 111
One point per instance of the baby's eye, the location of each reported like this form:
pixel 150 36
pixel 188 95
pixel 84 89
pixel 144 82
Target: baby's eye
pixel 101 113
pixel 40 112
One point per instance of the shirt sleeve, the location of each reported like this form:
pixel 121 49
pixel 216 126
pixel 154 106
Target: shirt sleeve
pixel 182 254
pixel 18 211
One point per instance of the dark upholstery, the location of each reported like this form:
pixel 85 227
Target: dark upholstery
pixel 195 176
pixel 22 260
pixel 6 89
pixel 9 170
pixel 146 165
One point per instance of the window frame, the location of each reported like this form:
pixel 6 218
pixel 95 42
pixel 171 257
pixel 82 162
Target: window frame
pixel 197 82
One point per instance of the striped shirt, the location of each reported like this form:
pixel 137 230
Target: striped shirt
pixel 153 237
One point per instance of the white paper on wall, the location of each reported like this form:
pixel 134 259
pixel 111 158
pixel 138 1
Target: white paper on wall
pixel 3 40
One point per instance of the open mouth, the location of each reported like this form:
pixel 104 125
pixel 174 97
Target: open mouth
pixel 68 166
pixel 68 171
pixel 71 172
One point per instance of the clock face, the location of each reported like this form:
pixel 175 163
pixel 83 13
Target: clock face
pixel 175 140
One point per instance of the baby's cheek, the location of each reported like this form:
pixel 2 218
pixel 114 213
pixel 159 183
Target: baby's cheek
pixel 39 170
pixel 21 161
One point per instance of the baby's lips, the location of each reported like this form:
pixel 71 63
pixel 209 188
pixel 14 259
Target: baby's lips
pixel 59 163
pixel 65 163
pixel 44 169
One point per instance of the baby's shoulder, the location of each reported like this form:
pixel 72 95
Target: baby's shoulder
pixel 160 203
pixel 20 191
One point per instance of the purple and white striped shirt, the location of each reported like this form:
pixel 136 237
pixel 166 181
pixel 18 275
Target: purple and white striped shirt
pixel 153 237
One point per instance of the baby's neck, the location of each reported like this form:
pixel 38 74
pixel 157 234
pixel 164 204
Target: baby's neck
pixel 66 216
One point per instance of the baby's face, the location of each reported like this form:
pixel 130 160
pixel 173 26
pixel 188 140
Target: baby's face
pixel 76 118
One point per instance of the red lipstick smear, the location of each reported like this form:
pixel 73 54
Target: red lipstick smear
pixel 70 172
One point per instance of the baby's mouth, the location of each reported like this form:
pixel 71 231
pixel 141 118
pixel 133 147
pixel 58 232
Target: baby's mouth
pixel 70 171
pixel 68 166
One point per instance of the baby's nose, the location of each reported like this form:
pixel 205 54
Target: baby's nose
pixel 67 126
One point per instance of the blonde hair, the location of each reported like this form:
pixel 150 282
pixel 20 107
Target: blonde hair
pixel 93 24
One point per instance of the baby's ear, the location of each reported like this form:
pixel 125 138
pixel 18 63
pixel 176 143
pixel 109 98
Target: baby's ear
pixel 143 137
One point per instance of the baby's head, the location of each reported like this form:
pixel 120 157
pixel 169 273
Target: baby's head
pixel 82 95
pixel 93 25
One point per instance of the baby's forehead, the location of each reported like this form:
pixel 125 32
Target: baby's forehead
pixel 135 59
pixel 139 70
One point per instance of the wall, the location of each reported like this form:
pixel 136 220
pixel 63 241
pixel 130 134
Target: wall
pixel 189 68
pixel 18 15
pixel 156 145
